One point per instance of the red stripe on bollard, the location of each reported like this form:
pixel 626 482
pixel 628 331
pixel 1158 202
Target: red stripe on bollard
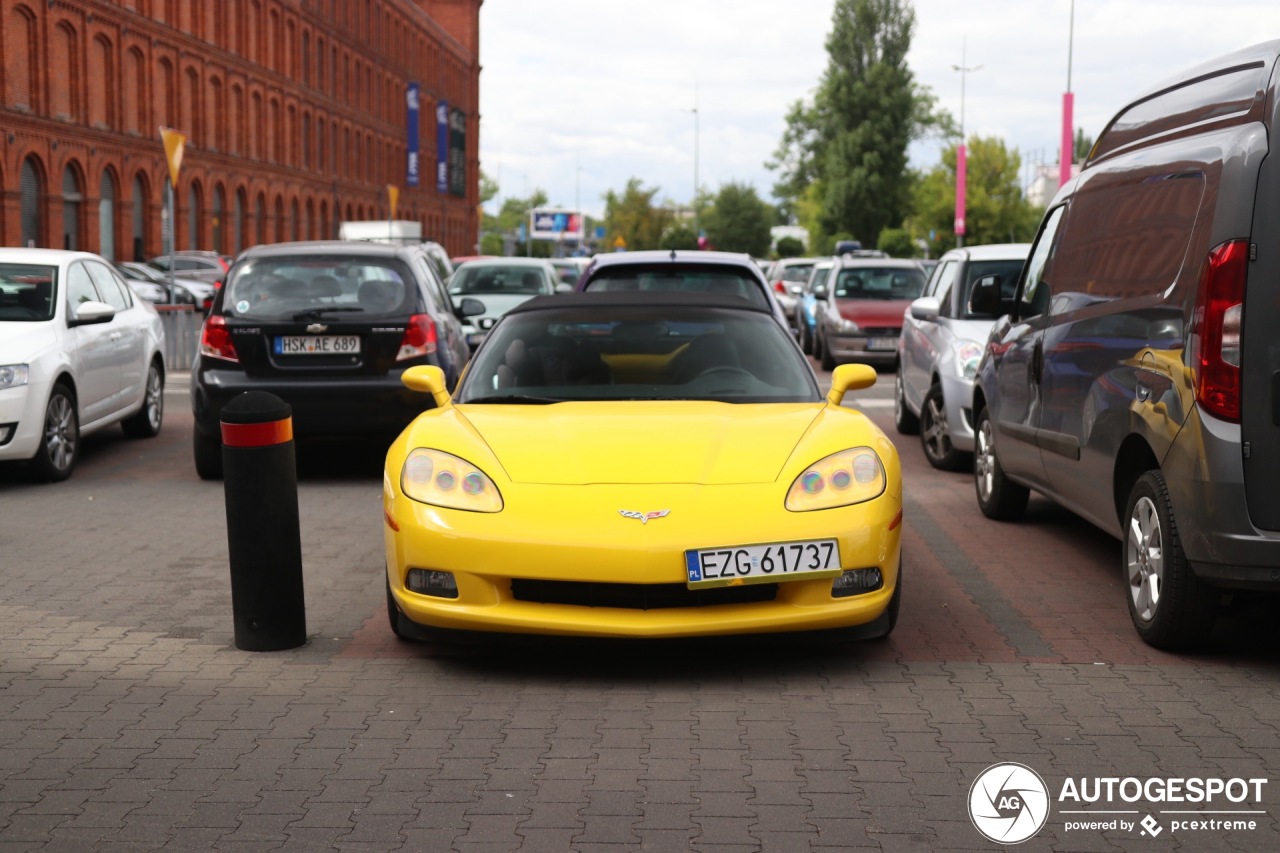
pixel 257 435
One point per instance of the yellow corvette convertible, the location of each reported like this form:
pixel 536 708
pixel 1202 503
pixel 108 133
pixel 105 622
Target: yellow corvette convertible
pixel 629 464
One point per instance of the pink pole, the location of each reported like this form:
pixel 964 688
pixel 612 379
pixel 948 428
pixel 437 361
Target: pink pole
pixel 961 168
pixel 1068 139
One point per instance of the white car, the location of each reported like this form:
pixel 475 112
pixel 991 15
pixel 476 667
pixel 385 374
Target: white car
pixel 500 284
pixel 78 352
pixel 940 347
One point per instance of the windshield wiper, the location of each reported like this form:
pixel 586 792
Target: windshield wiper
pixel 317 313
pixel 516 398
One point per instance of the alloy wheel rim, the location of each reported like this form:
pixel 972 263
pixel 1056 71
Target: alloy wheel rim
pixel 1144 559
pixel 897 398
pixel 984 462
pixel 155 398
pixel 59 433
pixel 934 429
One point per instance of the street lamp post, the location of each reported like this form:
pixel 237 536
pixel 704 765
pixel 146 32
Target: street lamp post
pixel 1068 105
pixel 697 232
pixel 961 153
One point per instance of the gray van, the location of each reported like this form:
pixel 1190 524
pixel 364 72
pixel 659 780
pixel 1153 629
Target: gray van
pixel 1135 378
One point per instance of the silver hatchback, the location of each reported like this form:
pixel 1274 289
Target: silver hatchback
pixel 940 347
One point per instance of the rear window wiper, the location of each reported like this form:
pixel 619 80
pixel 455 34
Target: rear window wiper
pixel 516 398
pixel 317 313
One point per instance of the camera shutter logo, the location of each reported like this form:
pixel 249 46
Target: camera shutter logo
pixel 1008 803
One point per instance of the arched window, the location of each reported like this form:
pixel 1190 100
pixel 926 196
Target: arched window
pixel 294 225
pixel 32 188
pixel 107 217
pixel 279 219
pixel 165 111
pixel 135 92
pixel 102 83
pixel 64 66
pixel 140 219
pixel 195 215
pixel 309 223
pixel 20 53
pixel 260 213
pixel 72 197
pixel 219 202
pixel 239 222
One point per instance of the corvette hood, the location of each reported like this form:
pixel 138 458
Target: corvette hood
pixel 640 442
pixel 874 313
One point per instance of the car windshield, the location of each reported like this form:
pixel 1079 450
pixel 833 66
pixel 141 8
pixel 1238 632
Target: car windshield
pixel 879 283
pixel 638 353
pixel 1008 271
pixel 798 273
pixel 479 279
pixel 693 278
pixel 27 292
pixel 316 285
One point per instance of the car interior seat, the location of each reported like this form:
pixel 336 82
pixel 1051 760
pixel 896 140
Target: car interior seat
pixel 531 282
pixel 376 295
pixel 36 298
pixel 324 287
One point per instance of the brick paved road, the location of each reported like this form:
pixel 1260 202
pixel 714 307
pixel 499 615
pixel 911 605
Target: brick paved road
pixel 128 721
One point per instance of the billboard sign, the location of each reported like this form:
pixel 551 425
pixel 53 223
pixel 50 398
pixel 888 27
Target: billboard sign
pixel 556 224
pixel 411 136
pixel 442 146
pixel 457 152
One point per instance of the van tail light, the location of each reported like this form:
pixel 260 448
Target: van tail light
pixel 1216 329
pixel 419 338
pixel 215 339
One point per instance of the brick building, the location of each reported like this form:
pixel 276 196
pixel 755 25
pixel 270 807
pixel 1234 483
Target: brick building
pixel 296 112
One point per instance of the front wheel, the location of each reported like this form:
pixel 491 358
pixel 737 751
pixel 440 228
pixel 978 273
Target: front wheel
pixel 998 496
pixel 828 358
pixel 145 423
pixel 806 338
pixel 935 434
pixel 60 440
pixel 903 420
pixel 1170 607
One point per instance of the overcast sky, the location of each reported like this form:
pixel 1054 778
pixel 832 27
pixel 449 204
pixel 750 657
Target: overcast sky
pixel 578 96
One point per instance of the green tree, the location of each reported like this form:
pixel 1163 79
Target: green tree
pixel 633 217
pixel 898 243
pixel 852 140
pixel 995 209
pixel 679 236
pixel 1082 146
pixel 739 221
pixel 790 247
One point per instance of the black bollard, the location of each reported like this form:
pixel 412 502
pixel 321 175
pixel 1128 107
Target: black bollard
pixel 264 541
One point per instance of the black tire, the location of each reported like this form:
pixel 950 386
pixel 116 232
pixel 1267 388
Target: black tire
pixel 145 423
pixel 903 420
pixel 1170 607
pixel 59 449
pixel 396 619
pixel 828 360
pixel 935 434
pixel 806 338
pixel 998 496
pixel 208 455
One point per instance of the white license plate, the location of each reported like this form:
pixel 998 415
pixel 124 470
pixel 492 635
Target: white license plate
pixel 771 562
pixel 317 344
pixel 475 338
pixel 882 343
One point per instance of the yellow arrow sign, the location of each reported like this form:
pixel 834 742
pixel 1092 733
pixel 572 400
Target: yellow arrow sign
pixel 174 143
pixel 393 195
pixel 620 242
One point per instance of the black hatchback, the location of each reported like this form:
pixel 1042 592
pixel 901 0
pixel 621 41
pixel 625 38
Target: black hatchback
pixel 328 327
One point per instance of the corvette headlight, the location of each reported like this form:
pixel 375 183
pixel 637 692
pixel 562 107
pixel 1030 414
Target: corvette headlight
pixel 442 479
pixel 968 354
pixel 844 478
pixel 13 375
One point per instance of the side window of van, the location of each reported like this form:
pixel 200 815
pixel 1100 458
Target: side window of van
pixel 1034 298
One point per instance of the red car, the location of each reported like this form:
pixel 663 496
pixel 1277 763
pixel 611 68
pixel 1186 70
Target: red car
pixel 860 308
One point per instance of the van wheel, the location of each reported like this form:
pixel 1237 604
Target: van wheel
pixel 145 423
pixel 905 422
pixel 998 496
pixel 806 338
pixel 1171 608
pixel 208 455
pixel 935 434
pixel 60 439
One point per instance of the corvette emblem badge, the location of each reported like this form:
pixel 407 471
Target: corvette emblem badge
pixel 644 516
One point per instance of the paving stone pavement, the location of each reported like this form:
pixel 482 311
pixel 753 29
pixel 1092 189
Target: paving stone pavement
pixel 128 720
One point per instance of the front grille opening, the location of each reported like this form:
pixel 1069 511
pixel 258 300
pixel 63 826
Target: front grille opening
pixel 638 596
